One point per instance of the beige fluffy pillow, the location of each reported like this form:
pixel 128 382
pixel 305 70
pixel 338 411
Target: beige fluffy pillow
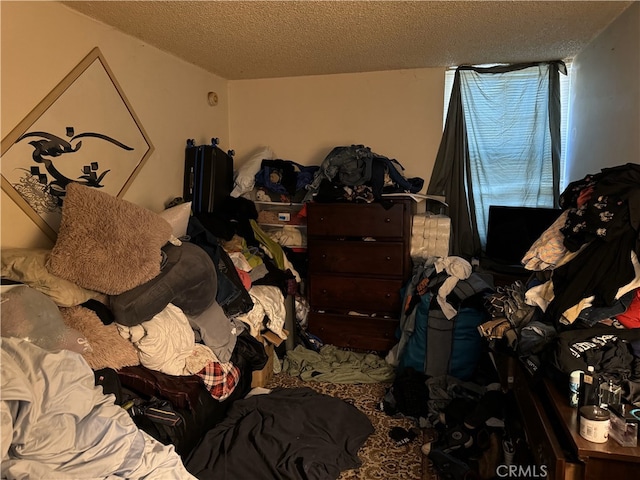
pixel 28 266
pixel 108 348
pixel 105 243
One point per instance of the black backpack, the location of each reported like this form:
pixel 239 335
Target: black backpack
pixel 611 351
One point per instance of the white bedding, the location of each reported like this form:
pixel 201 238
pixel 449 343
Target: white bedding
pixel 56 424
pixel 268 301
pixel 165 342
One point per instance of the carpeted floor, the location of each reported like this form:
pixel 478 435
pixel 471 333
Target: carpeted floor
pixel 381 458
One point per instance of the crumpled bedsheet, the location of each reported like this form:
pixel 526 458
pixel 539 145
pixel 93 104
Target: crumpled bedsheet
pixel 165 342
pixel 56 424
pixel 332 364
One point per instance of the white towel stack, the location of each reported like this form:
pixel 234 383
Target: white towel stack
pixel 430 235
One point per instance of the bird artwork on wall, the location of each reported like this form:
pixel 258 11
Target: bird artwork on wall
pixel 85 131
pixel 50 149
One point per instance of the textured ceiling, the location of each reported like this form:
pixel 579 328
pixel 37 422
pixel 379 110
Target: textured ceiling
pixel 266 39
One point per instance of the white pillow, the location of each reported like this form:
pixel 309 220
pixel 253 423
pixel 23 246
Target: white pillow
pixel 178 218
pixel 246 174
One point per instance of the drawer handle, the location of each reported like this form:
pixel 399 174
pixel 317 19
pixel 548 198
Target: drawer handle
pixel 324 291
pixel 387 258
pixel 322 219
pixel 387 220
pixel 387 295
pixel 324 256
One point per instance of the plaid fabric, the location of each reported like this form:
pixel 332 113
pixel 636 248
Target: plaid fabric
pixel 220 378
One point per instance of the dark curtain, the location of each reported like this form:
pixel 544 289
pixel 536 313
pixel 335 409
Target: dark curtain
pixel 451 174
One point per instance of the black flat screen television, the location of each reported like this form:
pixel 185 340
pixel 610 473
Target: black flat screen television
pixel 512 230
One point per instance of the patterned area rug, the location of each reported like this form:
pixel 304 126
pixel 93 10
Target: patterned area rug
pixel 381 458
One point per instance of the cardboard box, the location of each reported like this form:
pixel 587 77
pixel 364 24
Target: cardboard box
pixel 270 341
pixel 261 377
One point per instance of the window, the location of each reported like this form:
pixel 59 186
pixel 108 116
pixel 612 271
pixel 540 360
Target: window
pixel 500 117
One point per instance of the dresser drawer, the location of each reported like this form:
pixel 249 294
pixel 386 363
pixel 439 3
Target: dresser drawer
pixel 356 220
pixel 352 331
pixel 371 258
pixel 361 294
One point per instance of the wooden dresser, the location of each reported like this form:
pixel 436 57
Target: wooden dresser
pixel 552 431
pixel 359 259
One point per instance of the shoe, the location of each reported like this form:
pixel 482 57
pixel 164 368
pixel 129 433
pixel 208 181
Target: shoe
pixel 490 405
pixel 402 436
pixel 450 467
pixel 456 438
pixel 457 410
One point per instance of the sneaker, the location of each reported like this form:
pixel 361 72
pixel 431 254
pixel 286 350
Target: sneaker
pixel 449 467
pixel 490 405
pixel 455 438
pixel 402 436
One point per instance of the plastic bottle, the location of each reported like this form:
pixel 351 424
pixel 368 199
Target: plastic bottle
pixel 574 387
pixel 588 388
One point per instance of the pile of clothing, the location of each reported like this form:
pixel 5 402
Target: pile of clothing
pixel 355 173
pixel 585 278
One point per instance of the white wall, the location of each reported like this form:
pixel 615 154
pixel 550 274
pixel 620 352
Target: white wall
pixel 398 114
pixel 43 41
pixel 605 108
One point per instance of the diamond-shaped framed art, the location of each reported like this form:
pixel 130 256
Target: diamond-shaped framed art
pixel 83 131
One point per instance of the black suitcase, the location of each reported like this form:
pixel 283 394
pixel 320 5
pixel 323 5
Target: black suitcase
pixel 208 175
